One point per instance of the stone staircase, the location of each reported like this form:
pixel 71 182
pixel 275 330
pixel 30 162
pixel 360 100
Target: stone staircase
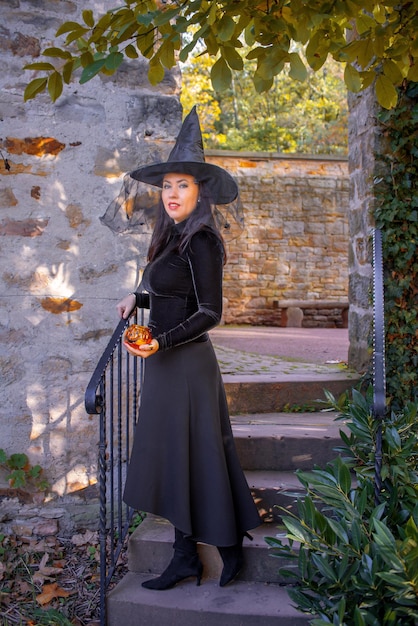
pixel 271 445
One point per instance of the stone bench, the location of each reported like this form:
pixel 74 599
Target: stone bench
pixel 292 311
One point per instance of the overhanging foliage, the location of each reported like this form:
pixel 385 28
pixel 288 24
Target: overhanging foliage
pixel 377 41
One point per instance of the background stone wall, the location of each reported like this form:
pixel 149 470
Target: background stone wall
pixel 295 243
pixel 63 270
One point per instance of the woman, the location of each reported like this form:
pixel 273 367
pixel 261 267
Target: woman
pixel 184 466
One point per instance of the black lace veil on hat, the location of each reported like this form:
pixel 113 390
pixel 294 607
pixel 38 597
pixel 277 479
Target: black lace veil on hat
pixel 135 207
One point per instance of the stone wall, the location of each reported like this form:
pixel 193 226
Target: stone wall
pixel 363 138
pixel 63 270
pixel 295 243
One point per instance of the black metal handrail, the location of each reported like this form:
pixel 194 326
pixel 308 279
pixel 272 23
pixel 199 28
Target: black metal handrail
pixel 113 394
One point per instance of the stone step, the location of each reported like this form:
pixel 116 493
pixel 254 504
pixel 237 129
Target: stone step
pixel 271 446
pixel 151 548
pixel 239 604
pixel 286 441
pixel 268 393
pixel 274 491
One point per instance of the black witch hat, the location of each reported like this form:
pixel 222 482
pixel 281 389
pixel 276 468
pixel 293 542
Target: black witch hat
pixel 136 206
pixel 188 157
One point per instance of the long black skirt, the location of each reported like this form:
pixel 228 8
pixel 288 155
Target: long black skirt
pixel 184 466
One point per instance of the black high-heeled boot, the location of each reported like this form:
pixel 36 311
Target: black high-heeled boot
pixel 233 560
pixel 184 564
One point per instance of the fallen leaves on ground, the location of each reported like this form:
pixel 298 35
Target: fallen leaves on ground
pixel 51 581
pixel 50 592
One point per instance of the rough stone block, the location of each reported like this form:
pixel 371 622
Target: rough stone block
pixel 294 317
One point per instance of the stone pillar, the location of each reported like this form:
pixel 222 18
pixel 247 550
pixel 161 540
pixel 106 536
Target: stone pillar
pixel 363 141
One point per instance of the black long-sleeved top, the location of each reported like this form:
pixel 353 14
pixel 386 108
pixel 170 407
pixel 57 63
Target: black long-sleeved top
pixel 184 289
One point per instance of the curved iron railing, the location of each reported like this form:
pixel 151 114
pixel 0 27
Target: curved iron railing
pixel 113 394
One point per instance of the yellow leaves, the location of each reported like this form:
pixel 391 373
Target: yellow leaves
pixel 383 33
pixel 36 86
pixel 386 94
pixel 55 84
pixel 352 78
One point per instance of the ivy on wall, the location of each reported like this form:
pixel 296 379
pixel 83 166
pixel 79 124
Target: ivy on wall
pixel 396 214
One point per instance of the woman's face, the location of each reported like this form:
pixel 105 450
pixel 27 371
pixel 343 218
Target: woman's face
pixel 180 193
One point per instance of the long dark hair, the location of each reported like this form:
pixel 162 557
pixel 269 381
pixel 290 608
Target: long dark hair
pixel 201 218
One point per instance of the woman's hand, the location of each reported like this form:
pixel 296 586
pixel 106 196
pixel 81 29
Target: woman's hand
pixel 126 306
pixel 144 351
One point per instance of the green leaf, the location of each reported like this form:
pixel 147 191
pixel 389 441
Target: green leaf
pixel 295 529
pixel 76 34
pixel 232 57
pixel 131 52
pixel 88 17
pixel 249 34
pixel 363 23
pixel 393 438
pixel 18 461
pixel 413 73
pixel 166 54
pixel 392 71
pixel 87 58
pixel 56 52
pixel 35 87
pixel 17 478
pixel 344 476
pixel 146 19
pixel 221 75
pixel 67 71
pixel 35 471
pixel 67 27
pixel 297 67
pixel 358 618
pixel 55 86
pixel 3 456
pixel 324 567
pixel 367 78
pixel 386 94
pixel 341 610
pixel 262 84
pixel 41 65
pixel 184 52
pixel 155 72
pixel 91 70
pixel 113 61
pixel 383 534
pixel 162 17
pixel 352 78
pixel 339 530
pixel 226 28
pixel 145 43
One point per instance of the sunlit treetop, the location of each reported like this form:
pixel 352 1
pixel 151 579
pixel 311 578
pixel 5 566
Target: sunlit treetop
pixel 376 41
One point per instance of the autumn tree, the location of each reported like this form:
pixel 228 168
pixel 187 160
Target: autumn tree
pixel 375 40
pixel 308 117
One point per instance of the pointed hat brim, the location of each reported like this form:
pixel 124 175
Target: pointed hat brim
pixel 187 157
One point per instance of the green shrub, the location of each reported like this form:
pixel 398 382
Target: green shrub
pixel 356 557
